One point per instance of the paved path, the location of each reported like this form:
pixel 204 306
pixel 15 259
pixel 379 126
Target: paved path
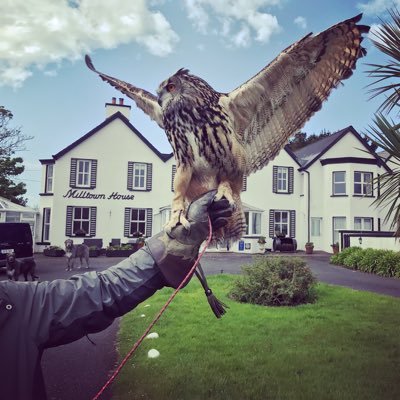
pixel 78 370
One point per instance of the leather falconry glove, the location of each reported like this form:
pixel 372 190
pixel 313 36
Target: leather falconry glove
pixel 175 253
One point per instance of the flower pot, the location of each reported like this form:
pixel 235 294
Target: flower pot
pixel 335 248
pixel 309 249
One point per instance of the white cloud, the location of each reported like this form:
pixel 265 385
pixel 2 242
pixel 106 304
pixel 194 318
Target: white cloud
pixel 35 33
pixel 376 7
pixel 240 21
pixel 300 22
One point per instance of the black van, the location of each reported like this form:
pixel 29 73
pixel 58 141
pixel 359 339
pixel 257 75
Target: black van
pixel 15 237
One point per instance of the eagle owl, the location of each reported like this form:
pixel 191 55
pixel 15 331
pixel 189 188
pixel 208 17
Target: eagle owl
pixel 218 138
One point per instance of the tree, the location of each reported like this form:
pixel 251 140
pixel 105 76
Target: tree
pixel 11 140
pixel 301 139
pixel 385 132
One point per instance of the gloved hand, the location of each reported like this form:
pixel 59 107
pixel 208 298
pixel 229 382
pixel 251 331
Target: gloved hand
pixel 175 253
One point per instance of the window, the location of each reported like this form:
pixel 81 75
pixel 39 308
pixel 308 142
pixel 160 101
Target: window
pixel 253 222
pixel 282 179
pixel 139 176
pixel 49 178
pixel 13 216
pixel 316 226
pixel 339 183
pixel 363 183
pixel 281 222
pixel 46 224
pixel 137 222
pixel 81 219
pixel 339 223
pixel 363 224
pixel 83 173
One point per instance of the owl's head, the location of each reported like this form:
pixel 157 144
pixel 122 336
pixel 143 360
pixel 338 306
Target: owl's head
pixel 183 88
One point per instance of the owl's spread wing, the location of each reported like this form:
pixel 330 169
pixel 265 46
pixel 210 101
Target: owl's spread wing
pixel 277 102
pixel 146 101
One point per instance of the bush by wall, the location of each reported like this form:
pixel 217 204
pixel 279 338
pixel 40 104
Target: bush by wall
pixel 275 281
pixel 377 261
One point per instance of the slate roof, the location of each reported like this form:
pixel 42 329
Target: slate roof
pixel 307 155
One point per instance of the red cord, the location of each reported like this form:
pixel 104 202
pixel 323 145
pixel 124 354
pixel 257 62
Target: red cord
pixel 146 332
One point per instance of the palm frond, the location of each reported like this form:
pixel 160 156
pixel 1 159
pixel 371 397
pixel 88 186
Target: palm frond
pixel 386 135
pixel 387 40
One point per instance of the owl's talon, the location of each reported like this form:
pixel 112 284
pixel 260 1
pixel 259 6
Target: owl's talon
pixel 176 219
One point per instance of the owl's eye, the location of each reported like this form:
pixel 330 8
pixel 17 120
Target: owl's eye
pixel 171 87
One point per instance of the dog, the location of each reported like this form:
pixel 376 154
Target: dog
pixel 74 251
pixel 17 267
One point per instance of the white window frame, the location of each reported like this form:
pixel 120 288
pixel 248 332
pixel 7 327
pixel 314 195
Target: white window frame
pixel 360 222
pixel 336 227
pixel 316 225
pixel 138 223
pixel 336 182
pixel 49 178
pixel 139 176
pixel 282 180
pixel 46 224
pixel 278 226
pixel 365 186
pixel 83 173
pixel 253 220
pixel 80 223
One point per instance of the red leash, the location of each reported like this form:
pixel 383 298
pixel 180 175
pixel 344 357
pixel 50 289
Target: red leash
pixel 146 332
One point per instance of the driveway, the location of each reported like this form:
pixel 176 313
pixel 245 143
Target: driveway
pixel 78 370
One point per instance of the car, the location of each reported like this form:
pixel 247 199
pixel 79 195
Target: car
pixel 15 237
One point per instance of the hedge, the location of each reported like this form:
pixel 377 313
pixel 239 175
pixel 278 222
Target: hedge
pixel 376 261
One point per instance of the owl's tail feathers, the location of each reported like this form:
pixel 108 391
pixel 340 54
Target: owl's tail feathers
pixel 236 226
pixel 217 306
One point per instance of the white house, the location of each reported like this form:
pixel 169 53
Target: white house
pixel 113 182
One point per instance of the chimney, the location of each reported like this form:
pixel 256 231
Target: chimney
pixel 113 107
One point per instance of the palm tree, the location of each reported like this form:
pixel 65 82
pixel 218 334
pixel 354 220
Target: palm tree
pixel 385 133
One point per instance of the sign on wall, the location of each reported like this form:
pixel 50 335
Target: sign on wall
pixel 84 194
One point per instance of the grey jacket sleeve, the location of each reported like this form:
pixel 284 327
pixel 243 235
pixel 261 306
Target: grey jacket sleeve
pixel 62 311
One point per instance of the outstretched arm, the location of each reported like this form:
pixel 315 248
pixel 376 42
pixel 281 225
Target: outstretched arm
pixel 62 311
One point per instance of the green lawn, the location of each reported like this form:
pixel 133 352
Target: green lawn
pixel 344 346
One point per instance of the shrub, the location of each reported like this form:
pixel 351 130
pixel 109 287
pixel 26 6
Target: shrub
pixel 381 262
pixel 388 263
pixel 368 261
pixel 275 281
pixel 352 259
pixel 338 259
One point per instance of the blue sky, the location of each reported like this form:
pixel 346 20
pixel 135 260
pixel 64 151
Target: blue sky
pixel 56 99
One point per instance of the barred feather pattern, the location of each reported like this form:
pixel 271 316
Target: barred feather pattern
pixel 217 138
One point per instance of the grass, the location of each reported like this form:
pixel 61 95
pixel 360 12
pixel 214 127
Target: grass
pixel 344 346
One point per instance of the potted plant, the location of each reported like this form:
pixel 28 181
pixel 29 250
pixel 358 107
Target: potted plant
pixel 309 247
pixel 54 251
pixel 280 235
pixel 80 233
pixel 335 247
pixel 139 240
pixel 261 243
